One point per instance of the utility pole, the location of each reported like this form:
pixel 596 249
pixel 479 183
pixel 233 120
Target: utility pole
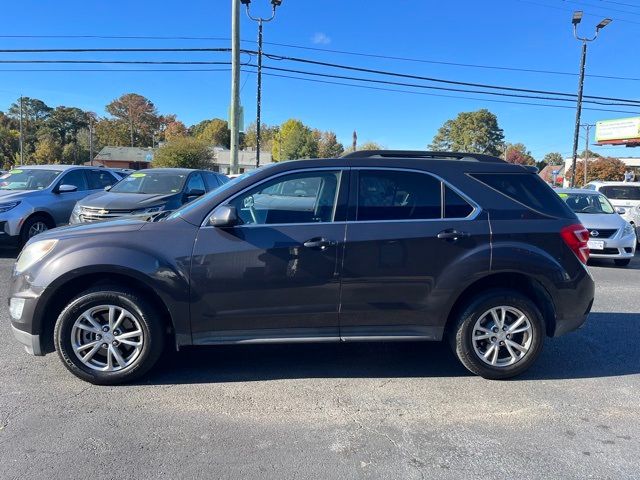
pixel 21 135
pixel 587 127
pixel 577 18
pixel 274 4
pixel 234 124
pixel 91 140
pixel 355 141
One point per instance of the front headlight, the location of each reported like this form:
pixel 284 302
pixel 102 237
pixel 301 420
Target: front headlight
pixel 77 209
pixel 5 207
pixel 33 253
pixel 157 208
pixel 628 229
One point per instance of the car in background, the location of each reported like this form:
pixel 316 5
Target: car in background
pixel 147 192
pixel 610 235
pixel 625 196
pixel 35 198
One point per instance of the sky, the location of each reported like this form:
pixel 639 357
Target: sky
pixel 516 34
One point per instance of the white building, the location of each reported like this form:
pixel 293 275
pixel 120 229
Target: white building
pixel 246 159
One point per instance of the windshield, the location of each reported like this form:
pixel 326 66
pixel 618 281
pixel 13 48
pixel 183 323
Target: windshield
pixel 205 198
pixel 28 179
pixel 151 183
pixel 587 203
pixel 621 192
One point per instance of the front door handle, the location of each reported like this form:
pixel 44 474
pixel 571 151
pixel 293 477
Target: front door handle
pixel 319 243
pixel 452 235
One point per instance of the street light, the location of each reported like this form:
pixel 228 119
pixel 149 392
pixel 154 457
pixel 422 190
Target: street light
pixel 577 18
pixel 274 4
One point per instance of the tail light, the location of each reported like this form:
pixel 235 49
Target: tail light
pixel 577 237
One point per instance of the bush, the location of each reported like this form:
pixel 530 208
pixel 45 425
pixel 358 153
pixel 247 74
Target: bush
pixel 184 153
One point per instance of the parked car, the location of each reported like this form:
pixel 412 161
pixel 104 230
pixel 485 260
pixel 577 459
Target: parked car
pixel 145 192
pixel 611 236
pixel 392 246
pixel 36 198
pixel 625 196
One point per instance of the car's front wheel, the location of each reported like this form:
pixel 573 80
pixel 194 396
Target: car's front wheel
pixel 498 335
pixel 109 335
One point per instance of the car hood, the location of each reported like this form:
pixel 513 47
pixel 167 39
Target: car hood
pixel 601 220
pixel 9 195
pixel 86 229
pixel 124 201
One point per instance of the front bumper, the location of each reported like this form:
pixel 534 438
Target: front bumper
pixel 31 343
pixel 624 247
pixel 11 221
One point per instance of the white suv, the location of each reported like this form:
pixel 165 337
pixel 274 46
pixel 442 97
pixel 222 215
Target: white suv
pixel 625 196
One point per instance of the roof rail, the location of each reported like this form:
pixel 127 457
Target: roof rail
pixel 469 157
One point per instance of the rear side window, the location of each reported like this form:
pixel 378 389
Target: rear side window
pixel 98 179
pixel 454 205
pixel 621 192
pixel 212 180
pixel 396 195
pixel 527 189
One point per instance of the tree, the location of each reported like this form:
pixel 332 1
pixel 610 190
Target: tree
pixel 294 140
pixel 112 132
pixel 473 132
pixel 369 145
pixel 47 151
pixel 215 132
pixel 9 147
pixel 185 152
pixel 590 153
pixel 518 154
pixel 328 145
pixel 175 129
pixel 67 122
pixel 267 136
pixel 139 114
pixel 553 158
pixel 603 168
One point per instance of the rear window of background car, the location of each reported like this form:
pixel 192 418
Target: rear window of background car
pixel 621 192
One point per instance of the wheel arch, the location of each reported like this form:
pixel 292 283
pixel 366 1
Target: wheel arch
pixel 517 281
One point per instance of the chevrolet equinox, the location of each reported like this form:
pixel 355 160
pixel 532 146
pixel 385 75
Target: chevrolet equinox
pixel 373 246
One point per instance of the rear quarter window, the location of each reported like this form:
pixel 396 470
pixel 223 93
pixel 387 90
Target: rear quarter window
pixel 527 189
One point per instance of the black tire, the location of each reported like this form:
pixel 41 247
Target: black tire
pixel 146 315
pixel 30 222
pixel 460 335
pixel 622 262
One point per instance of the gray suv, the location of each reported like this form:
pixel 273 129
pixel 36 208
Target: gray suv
pixel 36 198
pixel 373 246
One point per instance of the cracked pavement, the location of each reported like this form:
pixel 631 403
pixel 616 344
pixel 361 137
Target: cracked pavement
pixel 337 411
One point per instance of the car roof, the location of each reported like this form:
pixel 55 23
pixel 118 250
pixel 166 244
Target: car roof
pixel 55 166
pixel 615 184
pixel 584 191
pixel 178 171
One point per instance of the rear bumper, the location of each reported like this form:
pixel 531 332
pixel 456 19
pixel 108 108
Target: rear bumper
pixel 573 302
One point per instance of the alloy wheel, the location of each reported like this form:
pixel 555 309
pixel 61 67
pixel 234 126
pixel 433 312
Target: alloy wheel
pixel 502 336
pixel 36 228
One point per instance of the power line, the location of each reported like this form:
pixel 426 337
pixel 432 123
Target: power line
pixel 111 50
pixel 608 9
pixel 531 2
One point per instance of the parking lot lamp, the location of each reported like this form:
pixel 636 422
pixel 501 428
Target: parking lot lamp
pixel 577 18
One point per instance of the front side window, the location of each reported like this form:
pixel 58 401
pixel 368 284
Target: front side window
pixel 28 179
pixel 397 195
pixel 75 178
pixel 151 183
pixel 308 197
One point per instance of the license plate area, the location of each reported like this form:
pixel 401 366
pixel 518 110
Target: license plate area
pixel 596 244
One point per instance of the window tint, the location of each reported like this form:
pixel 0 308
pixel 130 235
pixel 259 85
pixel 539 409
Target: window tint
pixel 396 195
pixel 195 183
pixel 297 198
pixel 621 192
pixel 98 179
pixel 212 180
pixel 75 178
pixel 454 205
pixel 527 189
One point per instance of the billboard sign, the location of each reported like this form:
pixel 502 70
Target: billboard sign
pixel 621 130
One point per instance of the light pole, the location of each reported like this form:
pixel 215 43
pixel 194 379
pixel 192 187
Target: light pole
pixel 274 4
pixel 587 128
pixel 577 18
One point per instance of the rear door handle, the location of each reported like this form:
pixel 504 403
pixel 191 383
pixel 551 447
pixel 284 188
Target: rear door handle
pixel 319 243
pixel 452 235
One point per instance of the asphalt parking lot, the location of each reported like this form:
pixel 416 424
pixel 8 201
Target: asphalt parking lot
pixel 337 411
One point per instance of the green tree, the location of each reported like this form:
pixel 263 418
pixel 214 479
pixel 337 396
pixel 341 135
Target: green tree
pixel 517 153
pixel 47 151
pixel 294 140
pixel 553 158
pixel 328 145
pixel 590 153
pixel 267 136
pixel 140 116
pixel 67 122
pixel 215 132
pixel 112 132
pixel 184 152
pixel 473 132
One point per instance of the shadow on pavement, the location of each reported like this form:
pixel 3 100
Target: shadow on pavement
pixel 606 263
pixel 9 251
pixel 606 346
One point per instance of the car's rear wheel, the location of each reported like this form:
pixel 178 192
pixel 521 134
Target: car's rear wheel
pixel 498 335
pixel 622 262
pixel 109 336
pixel 33 226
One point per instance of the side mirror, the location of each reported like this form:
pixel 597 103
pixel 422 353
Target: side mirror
pixel 107 188
pixel 621 210
pixel 195 192
pixel 67 188
pixel 224 216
